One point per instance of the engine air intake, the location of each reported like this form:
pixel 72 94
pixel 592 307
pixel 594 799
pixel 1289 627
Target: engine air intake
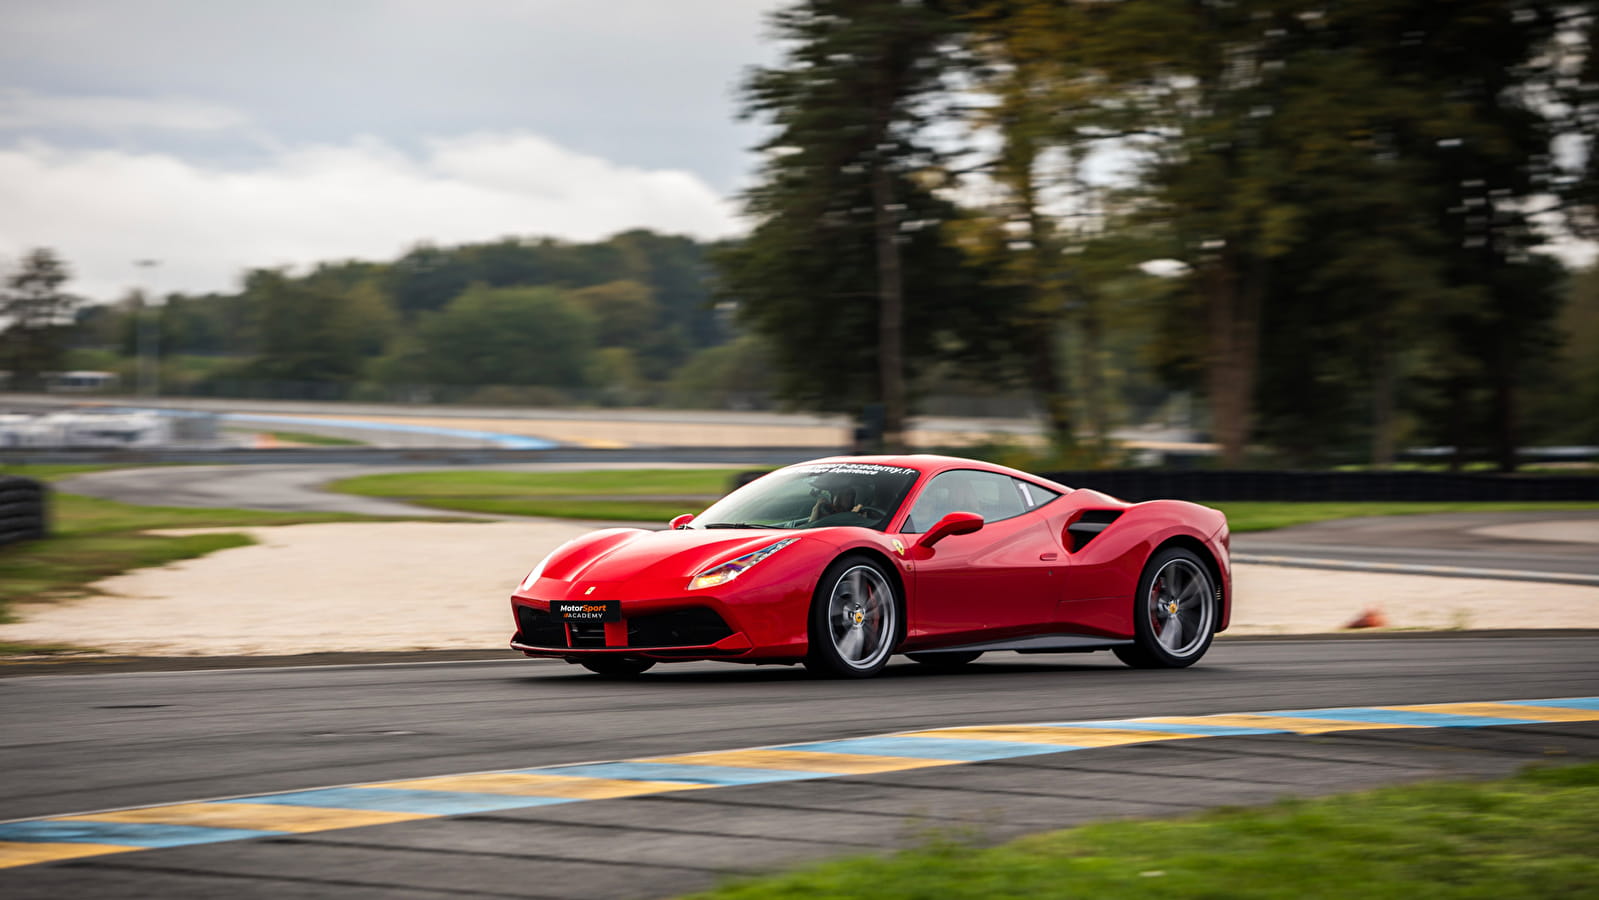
pixel 538 628
pixel 692 627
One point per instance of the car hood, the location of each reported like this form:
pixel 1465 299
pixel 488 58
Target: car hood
pixel 627 554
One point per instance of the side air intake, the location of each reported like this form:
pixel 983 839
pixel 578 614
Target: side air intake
pixel 1087 526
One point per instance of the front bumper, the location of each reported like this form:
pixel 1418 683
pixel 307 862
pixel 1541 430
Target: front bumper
pixel 683 632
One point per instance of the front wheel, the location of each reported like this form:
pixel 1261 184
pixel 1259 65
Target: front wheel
pixel 620 668
pixel 1174 612
pixel 854 619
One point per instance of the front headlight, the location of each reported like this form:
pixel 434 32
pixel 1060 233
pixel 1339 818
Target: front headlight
pixel 725 572
pixel 534 575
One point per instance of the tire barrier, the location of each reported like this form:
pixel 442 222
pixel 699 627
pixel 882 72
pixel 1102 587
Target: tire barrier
pixel 1225 484
pixel 23 510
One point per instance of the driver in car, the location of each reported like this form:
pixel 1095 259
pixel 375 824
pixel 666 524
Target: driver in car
pixel 839 501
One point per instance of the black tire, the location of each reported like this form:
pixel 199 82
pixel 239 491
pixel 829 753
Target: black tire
pixel 855 619
pixel 945 662
pixel 619 668
pixel 1167 636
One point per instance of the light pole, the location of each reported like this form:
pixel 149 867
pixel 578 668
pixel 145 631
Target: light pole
pixel 149 332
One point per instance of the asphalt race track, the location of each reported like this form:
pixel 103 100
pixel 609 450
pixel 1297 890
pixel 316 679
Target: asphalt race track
pixel 273 487
pixel 94 742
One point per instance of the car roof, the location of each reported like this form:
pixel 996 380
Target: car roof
pixel 931 463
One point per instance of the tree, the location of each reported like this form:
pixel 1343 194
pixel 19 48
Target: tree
pixel 310 330
pixel 677 272
pixel 1569 406
pixel 1023 66
pixel 426 278
pixel 624 312
pixel 1489 60
pixel 1219 177
pixel 1052 96
pixel 849 105
pixel 1573 57
pixel 1347 185
pixel 736 374
pixel 37 318
pixel 514 336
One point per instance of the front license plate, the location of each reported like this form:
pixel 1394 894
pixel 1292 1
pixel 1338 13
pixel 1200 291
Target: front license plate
pixel 587 610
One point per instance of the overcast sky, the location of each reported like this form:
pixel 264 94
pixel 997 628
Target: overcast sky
pixel 219 135
pixel 215 136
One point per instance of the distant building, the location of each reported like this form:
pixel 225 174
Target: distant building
pixel 80 381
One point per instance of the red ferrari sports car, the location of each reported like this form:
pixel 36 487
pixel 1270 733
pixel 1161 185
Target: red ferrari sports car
pixel 840 563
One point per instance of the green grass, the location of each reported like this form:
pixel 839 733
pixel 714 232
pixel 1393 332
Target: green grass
pixel 10 648
pixel 556 508
pixel 1264 516
pixel 62 567
pixel 645 495
pixel 632 482
pixel 655 495
pixel 1531 836
pixel 75 516
pixel 52 471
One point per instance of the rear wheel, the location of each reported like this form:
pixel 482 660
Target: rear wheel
pixel 854 619
pixel 617 668
pixel 1174 612
pixel 944 662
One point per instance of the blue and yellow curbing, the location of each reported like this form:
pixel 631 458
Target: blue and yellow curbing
pixel 56 838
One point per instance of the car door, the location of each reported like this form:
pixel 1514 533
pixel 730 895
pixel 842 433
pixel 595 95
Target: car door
pixel 999 582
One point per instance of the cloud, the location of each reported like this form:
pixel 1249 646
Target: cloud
pixel 640 82
pixel 20 109
pixel 206 223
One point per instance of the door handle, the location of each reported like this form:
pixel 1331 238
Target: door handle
pixel 1047 556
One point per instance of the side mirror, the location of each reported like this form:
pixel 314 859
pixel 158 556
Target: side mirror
pixel 952 524
pixel 680 521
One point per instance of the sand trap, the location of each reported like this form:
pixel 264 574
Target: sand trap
pixel 423 585
pixel 1576 531
pixel 304 588
pixel 1281 600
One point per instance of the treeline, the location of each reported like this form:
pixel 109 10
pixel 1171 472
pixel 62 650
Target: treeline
pixel 1347 201
pixel 628 320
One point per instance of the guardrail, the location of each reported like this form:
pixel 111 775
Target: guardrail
pixel 24 514
pixel 1225 484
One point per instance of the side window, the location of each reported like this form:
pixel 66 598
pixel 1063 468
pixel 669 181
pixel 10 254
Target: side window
pixel 1033 495
pixel 990 495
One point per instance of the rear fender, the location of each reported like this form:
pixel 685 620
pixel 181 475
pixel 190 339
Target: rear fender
pixel 1109 566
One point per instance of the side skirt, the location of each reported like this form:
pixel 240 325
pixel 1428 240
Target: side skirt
pixel 1040 643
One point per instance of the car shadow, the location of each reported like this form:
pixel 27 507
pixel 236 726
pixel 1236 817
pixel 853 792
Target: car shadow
pixel 729 674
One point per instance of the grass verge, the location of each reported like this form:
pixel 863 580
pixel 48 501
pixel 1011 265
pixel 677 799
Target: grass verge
pixel 641 495
pixel 52 471
pixel 1530 836
pixel 655 495
pixel 714 482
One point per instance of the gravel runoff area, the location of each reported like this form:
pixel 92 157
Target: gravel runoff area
pixel 420 585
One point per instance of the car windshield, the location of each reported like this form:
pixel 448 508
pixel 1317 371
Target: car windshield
pixel 814 495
